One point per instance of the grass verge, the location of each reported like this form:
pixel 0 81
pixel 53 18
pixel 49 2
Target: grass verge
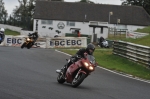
pixel 106 59
pixel 10 32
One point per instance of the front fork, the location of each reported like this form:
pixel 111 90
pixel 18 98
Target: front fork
pixel 80 71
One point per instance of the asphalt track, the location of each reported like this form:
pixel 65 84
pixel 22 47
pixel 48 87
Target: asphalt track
pixel 30 74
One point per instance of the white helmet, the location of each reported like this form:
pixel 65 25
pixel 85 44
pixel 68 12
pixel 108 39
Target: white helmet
pixel 2 29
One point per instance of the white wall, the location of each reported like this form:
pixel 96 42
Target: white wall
pixel 84 26
pixel 133 27
pixel 129 27
pixel 14 28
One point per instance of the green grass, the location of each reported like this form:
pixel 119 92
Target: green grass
pixel 10 32
pixel 145 30
pixel 106 59
pixel 142 41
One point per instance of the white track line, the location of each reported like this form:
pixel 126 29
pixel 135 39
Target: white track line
pixel 115 72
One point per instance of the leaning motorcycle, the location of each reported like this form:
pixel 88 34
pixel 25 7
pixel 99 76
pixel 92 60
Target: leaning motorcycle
pixel 78 71
pixel 28 43
pixel 103 44
pixel 2 38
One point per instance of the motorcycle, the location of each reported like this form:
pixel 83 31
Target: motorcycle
pixel 28 43
pixel 78 71
pixel 2 38
pixel 103 44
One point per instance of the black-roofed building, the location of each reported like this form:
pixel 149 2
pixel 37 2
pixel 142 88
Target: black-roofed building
pixel 50 17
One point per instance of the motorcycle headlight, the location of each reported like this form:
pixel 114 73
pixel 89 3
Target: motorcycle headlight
pixel 28 39
pixel 86 64
pixel 91 68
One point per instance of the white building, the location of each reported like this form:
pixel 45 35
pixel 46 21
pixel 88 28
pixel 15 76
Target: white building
pixel 90 19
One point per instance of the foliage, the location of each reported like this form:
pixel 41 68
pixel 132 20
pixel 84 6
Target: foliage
pixel 23 14
pixel 144 3
pixel 3 13
pixel 86 1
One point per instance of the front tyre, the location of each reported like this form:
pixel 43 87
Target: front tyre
pixel 60 78
pixel 78 80
pixel 29 45
pixel 23 45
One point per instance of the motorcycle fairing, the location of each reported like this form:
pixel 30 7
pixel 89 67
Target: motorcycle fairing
pixel 72 70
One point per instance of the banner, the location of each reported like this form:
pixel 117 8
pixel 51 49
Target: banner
pixel 63 42
pixel 39 44
pixel 59 42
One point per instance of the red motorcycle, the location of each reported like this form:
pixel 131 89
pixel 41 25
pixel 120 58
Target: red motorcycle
pixel 78 71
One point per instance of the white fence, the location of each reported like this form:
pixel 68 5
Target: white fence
pixel 135 34
pixel 138 53
pixel 14 28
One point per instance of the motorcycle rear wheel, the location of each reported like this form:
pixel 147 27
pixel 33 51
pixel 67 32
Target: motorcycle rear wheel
pixel 77 81
pixel 60 78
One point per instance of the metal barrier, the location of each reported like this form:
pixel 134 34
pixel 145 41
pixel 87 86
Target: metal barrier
pixel 137 53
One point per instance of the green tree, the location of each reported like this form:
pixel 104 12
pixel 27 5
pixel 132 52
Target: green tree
pixel 144 3
pixel 86 1
pixel 3 13
pixel 23 13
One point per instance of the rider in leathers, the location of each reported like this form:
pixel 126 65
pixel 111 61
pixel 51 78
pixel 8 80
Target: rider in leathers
pixel 2 35
pixel 34 36
pixel 80 54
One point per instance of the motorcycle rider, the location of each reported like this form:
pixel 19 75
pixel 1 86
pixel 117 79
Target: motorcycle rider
pixel 2 30
pixel 80 54
pixel 34 36
pixel 101 39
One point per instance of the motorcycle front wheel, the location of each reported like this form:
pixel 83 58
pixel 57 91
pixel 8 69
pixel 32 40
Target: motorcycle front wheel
pixel 60 78
pixel 78 80
pixel 29 45
pixel 23 45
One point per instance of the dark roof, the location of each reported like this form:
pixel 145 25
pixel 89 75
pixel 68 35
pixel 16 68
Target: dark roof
pixel 69 11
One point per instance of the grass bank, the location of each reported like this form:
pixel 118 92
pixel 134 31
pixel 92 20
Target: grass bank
pixel 106 59
pixel 10 32
pixel 141 41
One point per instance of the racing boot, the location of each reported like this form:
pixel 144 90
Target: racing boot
pixel 63 70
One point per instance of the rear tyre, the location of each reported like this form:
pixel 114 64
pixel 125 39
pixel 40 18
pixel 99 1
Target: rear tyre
pixel 77 81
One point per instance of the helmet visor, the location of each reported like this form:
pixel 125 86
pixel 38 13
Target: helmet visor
pixel 91 51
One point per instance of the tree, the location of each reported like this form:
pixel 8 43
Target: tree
pixel 144 3
pixel 3 12
pixel 24 13
pixel 86 1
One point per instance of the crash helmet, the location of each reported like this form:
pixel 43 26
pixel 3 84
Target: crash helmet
pixel 2 30
pixel 90 48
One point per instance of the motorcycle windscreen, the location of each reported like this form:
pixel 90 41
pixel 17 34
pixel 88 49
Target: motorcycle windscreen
pixel 91 58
